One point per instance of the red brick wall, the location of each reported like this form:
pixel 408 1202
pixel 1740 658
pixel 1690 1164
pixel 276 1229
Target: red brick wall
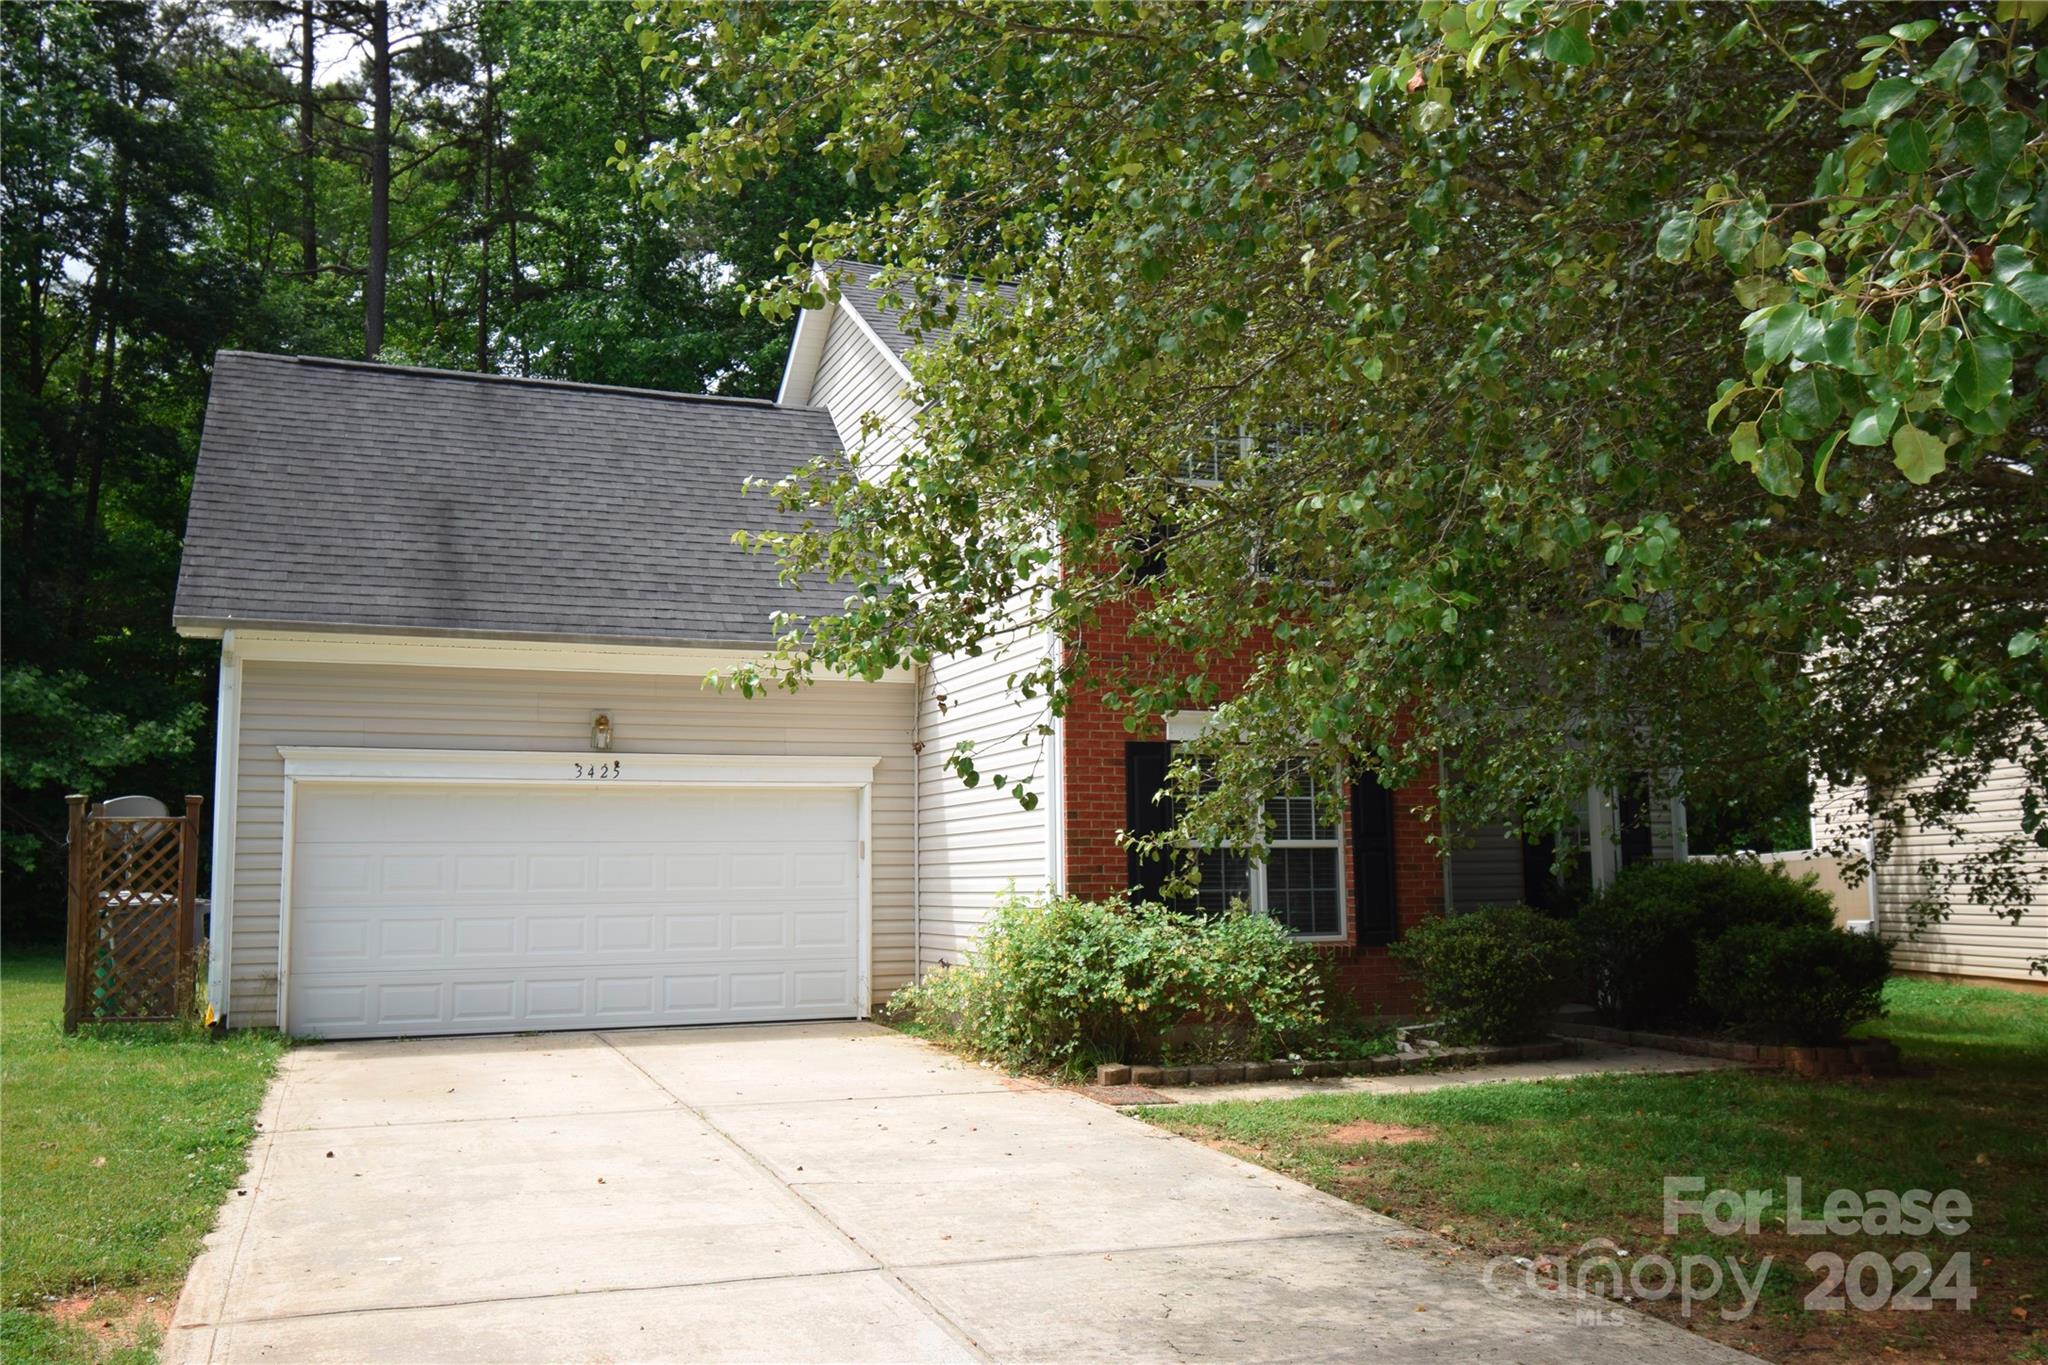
pixel 1092 739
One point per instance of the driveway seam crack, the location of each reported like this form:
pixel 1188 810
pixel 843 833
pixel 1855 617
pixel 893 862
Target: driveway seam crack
pixel 859 1099
pixel 903 1286
pixel 540 1297
pixel 1137 1249
pixel 259 1169
pixel 669 1108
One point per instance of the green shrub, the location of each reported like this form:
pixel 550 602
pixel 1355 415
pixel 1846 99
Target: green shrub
pixel 1642 935
pixel 1061 984
pixel 1799 983
pixel 1495 975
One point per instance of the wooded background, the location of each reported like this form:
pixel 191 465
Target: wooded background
pixel 420 184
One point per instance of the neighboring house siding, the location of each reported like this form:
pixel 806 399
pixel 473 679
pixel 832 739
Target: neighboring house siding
pixel 977 843
pixel 1485 868
pixel 476 708
pixel 855 381
pixel 1974 940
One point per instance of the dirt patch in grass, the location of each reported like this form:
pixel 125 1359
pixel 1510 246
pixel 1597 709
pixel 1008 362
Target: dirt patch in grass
pixel 1243 1151
pixel 1365 1132
pixel 117 1320
pixel 118 1327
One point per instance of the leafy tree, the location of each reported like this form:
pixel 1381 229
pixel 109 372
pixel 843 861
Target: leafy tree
pixel 113 307
pixel 652 293
pixel 1583 390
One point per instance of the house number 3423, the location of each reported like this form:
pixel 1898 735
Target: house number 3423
pixel 600 771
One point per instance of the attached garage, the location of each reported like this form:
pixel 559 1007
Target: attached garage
pixel 465 893
pixel 476 770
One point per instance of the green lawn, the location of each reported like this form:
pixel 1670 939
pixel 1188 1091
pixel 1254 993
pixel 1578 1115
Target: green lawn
pixel 117 1146
pixel 1543 1167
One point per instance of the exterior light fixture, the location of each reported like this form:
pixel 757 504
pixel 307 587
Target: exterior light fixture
pixel 601 732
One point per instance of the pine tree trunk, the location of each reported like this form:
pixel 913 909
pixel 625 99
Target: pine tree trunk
pixel 380 178
pixel 483 281
pixel 309 226
pixel 97 431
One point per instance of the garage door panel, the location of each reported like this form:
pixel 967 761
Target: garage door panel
pixel 320 1005
pixel 483 1004
pixel 483 937
pixel 820 989
pixel 690 933
pixel 437 813
pixel 553 998
pixel 539 999
pixel 548 873
pixel 359 943
pixel 336 874
pixel 465 909
pixel 770 873
pixel 411 938
pixel 486 876
pixel 627 872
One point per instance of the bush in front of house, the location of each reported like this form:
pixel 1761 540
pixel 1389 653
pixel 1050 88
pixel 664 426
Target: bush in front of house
pixel 1794 983
pixel 1495 975
pixel 1059 984
pixel 1642 935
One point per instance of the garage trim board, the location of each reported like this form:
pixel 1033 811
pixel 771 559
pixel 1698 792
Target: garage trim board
pixel 338 767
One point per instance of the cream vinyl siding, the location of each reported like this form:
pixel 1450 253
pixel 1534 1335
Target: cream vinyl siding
pixel 528 709
pixel 1974 940
pixel 976 843
pixel 855 380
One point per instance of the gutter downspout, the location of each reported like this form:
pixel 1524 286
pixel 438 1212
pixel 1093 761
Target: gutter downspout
pixel 227 745
pixel 1056 791
pixel 917 826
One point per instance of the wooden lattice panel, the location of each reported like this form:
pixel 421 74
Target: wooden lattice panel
pixel 130 951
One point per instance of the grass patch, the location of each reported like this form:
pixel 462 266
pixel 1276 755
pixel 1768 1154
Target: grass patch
pixel 120 1143
pixel 1543 1167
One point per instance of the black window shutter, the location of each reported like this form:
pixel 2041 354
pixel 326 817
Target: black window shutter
pixel 1539 880
pixel 1372 861
pixel 1635 823
pixel 1144 777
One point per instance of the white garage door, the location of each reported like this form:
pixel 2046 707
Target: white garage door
pixel 475 909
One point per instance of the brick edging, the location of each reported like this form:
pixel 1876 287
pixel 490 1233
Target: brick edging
pixel 1293 1069
pixel 1864 1057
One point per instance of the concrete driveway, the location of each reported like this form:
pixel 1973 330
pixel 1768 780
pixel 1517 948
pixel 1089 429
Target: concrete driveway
pixel 800 1192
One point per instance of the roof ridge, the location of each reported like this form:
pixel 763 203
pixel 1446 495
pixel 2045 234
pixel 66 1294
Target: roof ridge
pixel 538 382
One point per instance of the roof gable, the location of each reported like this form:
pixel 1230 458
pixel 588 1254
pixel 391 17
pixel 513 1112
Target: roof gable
pixel 867 306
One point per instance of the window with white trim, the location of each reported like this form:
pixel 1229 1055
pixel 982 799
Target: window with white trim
pixel 1299 881
pixel 1207 464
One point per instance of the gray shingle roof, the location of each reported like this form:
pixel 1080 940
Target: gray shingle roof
pixel 344 495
